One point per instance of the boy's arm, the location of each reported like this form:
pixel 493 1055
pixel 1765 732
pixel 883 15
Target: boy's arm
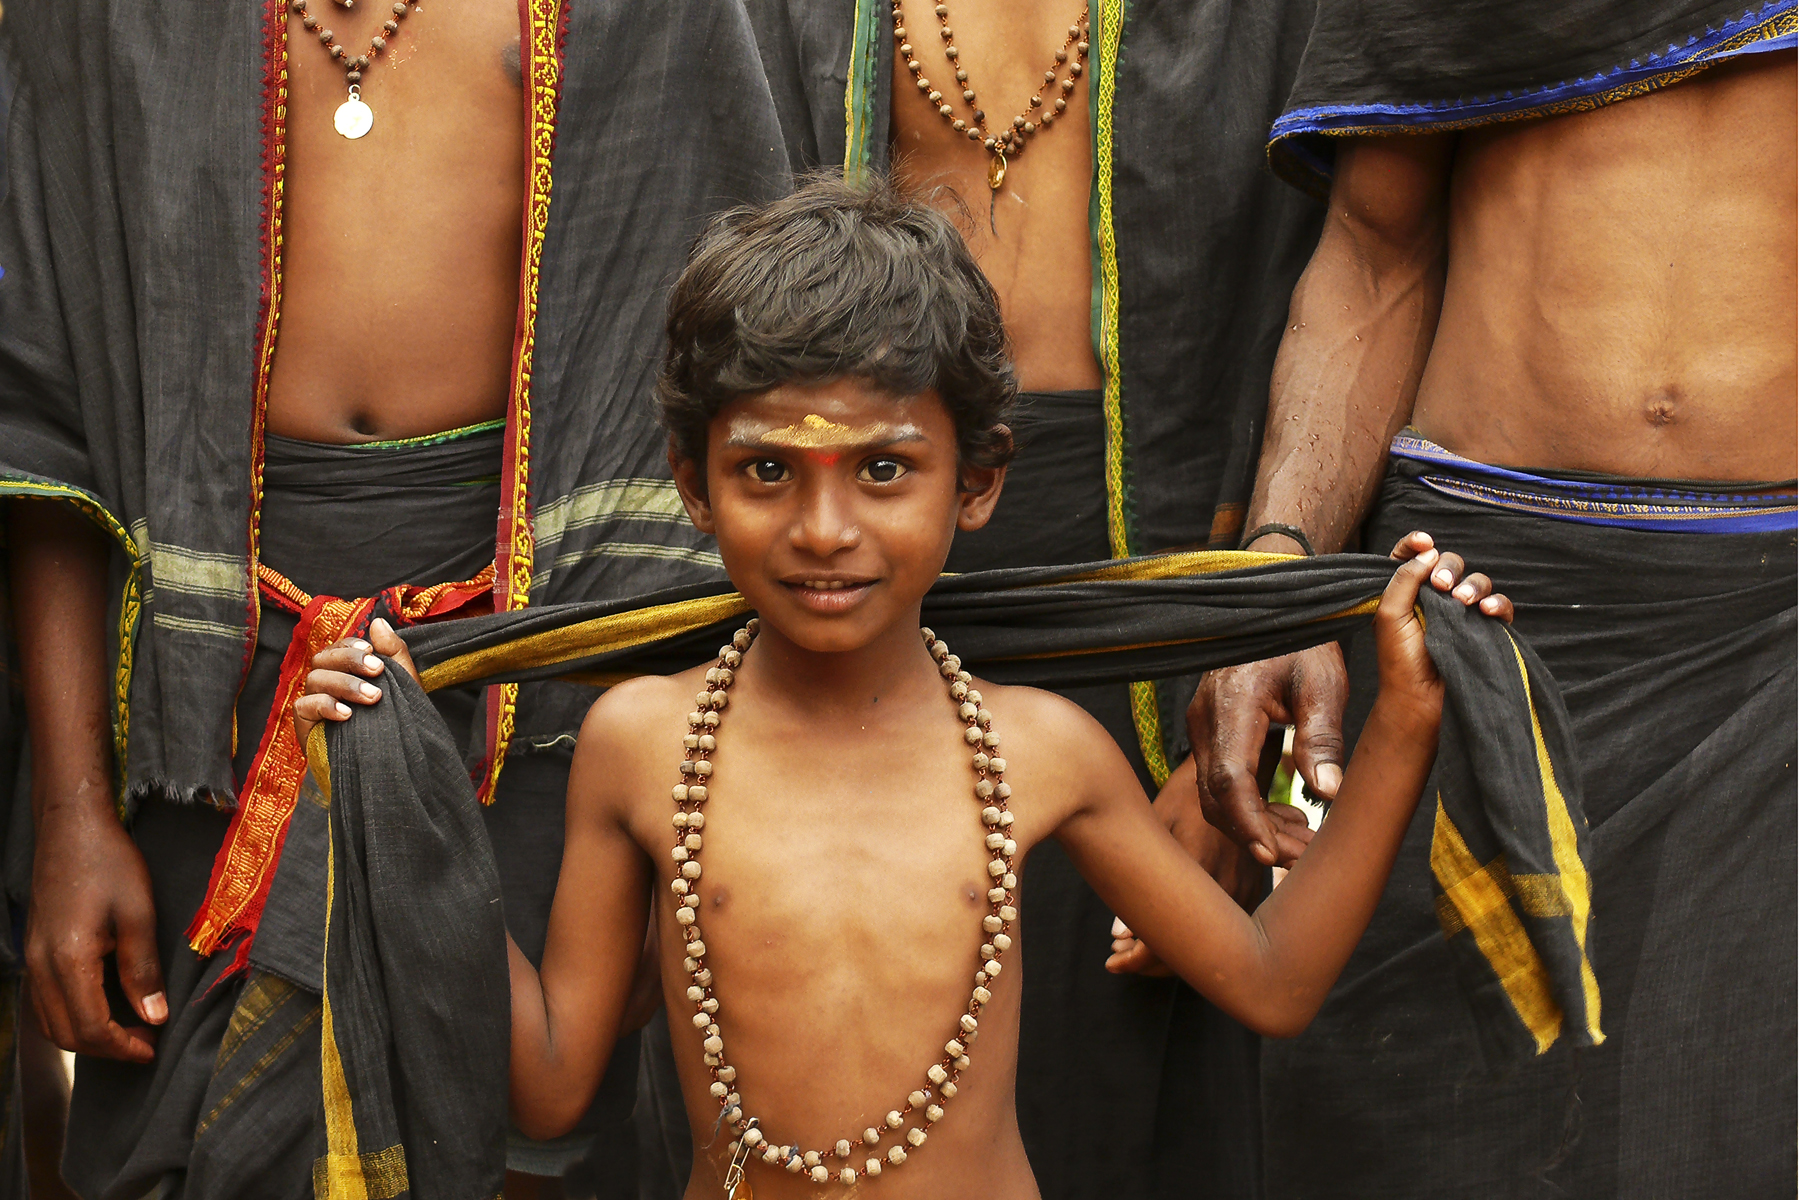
pixel 567 1014
pixel 1272 969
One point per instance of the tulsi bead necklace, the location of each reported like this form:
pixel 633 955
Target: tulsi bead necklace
pixel 353 117
pixel 908 1124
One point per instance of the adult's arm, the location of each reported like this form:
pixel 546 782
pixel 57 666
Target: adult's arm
pixel 1359 330
pixel 90 888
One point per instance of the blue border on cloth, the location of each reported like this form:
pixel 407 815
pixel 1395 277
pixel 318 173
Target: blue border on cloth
pixel 1650 505
pixel 1308 164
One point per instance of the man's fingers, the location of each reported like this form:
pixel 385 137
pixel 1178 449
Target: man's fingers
pixel 1137 960
pixel 92 1029
pixel 1323 690
pixel 47 1003
pixel 1232 788
pixel 391 644
pixel 140 972
pixel 1498 606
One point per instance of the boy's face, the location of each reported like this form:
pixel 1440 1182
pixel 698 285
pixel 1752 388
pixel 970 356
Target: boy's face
pixel 834 505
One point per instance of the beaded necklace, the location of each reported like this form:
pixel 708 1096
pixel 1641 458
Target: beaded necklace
pixel 353 118
pixel 924 1105
pixel 1012 139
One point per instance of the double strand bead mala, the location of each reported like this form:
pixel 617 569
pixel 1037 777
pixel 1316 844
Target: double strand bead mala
pixel 1011 140
pixel 353 117
pixel 923 1108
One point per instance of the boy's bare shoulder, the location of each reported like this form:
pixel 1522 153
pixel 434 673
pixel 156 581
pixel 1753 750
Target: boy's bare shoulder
pixel 633 728
pixel 1043 733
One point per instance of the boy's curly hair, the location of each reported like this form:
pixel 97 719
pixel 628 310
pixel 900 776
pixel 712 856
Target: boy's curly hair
pixel 837 280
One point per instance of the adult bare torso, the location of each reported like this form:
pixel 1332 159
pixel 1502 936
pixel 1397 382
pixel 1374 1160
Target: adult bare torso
pixel 1621 286
pixel 400 266
pixel 1031 237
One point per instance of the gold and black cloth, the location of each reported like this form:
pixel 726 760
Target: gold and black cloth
pixel 1674 652
pixel 406 836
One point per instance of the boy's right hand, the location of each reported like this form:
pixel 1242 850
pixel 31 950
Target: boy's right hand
pixel 340 674
pixel 1408 676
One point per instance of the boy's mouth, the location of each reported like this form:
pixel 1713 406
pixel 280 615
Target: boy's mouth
pixel 829 595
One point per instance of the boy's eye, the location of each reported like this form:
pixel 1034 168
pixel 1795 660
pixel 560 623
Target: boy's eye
pixel 881 470
pixel 767 470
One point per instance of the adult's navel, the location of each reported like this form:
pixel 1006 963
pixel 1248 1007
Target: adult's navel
pixel 1660 407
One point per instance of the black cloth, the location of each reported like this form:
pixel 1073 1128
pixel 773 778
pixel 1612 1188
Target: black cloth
pixel 1393 66
pixel 414 1049
pixel 352 520
pixel 1165 1081
pixel 136 251
pixel 241 1054
pixel 1106 622
pixel 1675 654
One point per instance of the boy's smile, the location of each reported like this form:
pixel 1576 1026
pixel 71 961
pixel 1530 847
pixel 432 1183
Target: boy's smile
pixel 834 505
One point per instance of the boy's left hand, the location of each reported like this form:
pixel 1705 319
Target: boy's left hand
pixel 340 674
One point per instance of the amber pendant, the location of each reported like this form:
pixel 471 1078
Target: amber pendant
pixel 353 117
pixel 996 171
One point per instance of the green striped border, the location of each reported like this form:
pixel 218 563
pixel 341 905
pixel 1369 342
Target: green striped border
pixel 131 607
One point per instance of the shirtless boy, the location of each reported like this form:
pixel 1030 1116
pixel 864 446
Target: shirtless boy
pixel 835 391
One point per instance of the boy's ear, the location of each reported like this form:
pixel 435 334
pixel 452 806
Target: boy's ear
pixel 980 491
pixel 690 481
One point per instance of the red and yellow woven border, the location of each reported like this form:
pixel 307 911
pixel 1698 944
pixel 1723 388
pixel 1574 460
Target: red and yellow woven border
pixel 544 25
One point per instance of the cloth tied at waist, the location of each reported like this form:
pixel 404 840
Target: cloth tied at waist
pixel 1509 779
pixel 352 518
pixel 1655 506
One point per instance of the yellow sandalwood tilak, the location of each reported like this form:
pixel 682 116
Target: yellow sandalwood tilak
pixel 822 437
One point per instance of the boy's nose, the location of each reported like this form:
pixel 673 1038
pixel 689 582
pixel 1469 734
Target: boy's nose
pixel 826 522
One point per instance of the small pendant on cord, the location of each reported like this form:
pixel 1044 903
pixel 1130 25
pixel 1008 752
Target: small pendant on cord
pixel 996 171
pixel 353 117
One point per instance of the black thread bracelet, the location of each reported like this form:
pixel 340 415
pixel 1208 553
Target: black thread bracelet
pixel 1297 536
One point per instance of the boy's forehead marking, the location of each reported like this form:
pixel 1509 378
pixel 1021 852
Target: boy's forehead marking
pixel 816 433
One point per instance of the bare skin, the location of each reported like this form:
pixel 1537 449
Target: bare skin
pixel 1607 291
pixel 1035 249
pixel 400 295
pixel 400 288
pixel 844 870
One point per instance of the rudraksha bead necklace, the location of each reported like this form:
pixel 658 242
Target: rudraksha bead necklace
pixel 907 1125
pixel 353 117
pixel 1011 141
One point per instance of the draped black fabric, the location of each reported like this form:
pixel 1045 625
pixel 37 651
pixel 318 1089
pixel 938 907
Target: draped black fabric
pixel 416 1014
pixel 1098 623
pixel 240 1056
pixel 1675 654
pixel 1392 66
pixel 131 241
pixel 1506 778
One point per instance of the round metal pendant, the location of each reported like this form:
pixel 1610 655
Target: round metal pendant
pixel 353 118
pixel 996 171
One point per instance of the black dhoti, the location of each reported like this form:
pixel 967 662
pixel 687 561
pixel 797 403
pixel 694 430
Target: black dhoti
pixel 230 1107
pixel 1675 653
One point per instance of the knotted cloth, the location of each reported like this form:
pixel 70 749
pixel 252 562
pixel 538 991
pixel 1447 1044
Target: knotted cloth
pixel 414 900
